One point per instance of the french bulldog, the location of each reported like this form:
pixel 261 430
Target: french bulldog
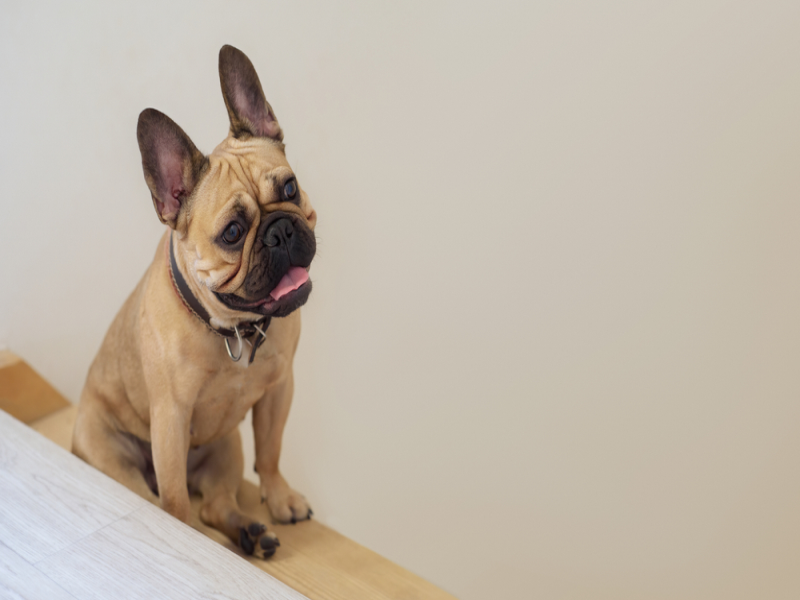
pixel 211 330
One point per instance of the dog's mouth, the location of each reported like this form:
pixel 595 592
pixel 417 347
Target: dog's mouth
pixel 294 278
pixel 289 294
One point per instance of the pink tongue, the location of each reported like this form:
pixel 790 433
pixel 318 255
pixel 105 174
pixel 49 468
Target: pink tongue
pixel 296 277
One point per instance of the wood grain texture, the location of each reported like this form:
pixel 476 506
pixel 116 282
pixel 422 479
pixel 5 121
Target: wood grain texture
pixel 49 498
pixel 86 536
pixel 313 559
pixel 24 394
pixel 145 556
pixel 19 580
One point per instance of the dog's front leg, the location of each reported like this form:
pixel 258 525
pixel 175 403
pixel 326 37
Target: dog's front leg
pixel 269 418
pixel 170 436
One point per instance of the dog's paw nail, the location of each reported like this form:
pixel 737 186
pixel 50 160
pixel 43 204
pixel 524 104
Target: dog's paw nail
pixel 269 543
pixel 310 513
pixel 256 529
pixel 294 520
pixel 254 468
pixel 263 499
pixel 245 542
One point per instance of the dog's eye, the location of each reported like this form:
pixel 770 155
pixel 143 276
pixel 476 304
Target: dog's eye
pixel 290 188
pixel 232 233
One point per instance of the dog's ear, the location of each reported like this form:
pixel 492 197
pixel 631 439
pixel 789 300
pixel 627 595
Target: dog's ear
pixel 248 109
pixel 172 164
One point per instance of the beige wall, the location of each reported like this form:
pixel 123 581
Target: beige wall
pixel 554 345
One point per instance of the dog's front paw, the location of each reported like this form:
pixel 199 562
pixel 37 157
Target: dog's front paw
pixel 256 541
pixel 285 504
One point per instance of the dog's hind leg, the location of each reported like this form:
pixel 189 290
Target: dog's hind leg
pixel 215 470
pixel 116 455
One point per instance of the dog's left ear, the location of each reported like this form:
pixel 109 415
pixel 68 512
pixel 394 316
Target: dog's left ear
pixel 248 109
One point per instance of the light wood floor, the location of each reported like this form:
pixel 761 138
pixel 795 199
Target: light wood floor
pixel 68 531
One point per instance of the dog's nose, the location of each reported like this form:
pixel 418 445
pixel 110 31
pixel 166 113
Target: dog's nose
pixel 279 233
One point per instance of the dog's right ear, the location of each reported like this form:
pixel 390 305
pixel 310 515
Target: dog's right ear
pixel 172 164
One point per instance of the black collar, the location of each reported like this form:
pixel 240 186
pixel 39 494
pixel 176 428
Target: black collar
pixel 255 330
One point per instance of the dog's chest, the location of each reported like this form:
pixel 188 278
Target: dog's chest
pixel 227 394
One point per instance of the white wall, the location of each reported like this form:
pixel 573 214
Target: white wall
pixel 553 349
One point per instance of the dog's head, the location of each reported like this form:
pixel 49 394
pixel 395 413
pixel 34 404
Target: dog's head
pixel 242 224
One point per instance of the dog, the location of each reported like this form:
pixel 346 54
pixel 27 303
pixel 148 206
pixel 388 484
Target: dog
pixel 211 330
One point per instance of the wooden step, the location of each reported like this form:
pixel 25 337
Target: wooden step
pixel 24 393
pixel 313 559
pixel 67 531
